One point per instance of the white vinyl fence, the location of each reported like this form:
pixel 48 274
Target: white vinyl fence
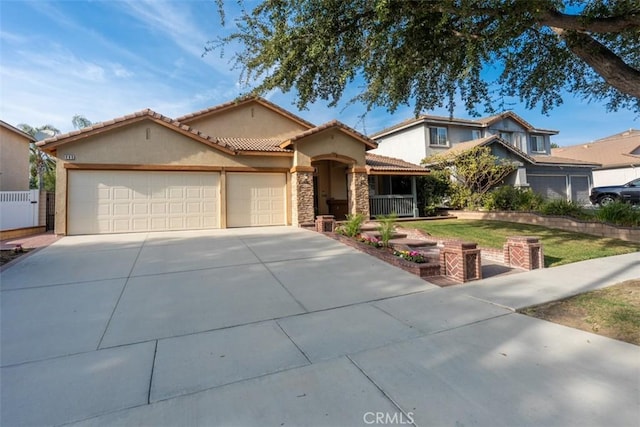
pixel 18 209
pixel 401 205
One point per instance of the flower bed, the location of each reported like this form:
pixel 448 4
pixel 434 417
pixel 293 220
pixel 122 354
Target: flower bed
pixel 373 247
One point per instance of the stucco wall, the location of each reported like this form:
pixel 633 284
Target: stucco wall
pixel 129 145
pixel 250 121
pixel 409 144
pixel 14 161
pixel 327 143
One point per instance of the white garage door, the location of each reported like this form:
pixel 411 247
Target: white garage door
pixel 255 199
pixel 126 201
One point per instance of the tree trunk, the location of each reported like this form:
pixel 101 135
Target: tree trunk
pixel 606 63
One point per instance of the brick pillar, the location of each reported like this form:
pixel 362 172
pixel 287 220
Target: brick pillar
pixel 524 252
pixel 358 181
pixel 461 261
pixel 325 223
pixel 302 196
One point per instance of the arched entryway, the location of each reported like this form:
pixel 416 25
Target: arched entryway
pixel 331 185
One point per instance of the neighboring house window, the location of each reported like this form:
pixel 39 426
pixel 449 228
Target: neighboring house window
pixel 438 136
pixel 476 134
pixel 537 144
pixel 517 140
pixel 506 136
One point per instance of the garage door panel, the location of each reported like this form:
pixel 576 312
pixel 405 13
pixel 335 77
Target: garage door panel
pixel 127 201
pixel 255 199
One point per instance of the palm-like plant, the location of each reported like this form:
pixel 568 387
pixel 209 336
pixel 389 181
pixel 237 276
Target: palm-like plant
pixel 41 163
pixel 43 166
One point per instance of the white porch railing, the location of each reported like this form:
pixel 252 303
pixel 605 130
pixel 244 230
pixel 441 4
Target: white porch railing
pixel 18 209
pixel 402 205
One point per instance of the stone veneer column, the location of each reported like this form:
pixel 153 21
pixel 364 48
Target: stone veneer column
pixel 302 195
pixel 358 191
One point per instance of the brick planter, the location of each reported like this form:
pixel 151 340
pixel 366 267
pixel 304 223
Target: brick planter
pixel 421 270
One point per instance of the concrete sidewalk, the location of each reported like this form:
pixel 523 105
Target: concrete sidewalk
pixel 282 326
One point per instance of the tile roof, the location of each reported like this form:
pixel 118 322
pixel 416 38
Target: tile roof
pixel 621 149
pixel 334 124
pixel 464 146
pixel 245 100
pixel 377 162
pixel 481 123
pixel 253 144
pixel 540 159
pixel 555 160
pixel 57 140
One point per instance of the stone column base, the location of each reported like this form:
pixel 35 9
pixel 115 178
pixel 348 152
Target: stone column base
pixel 325 224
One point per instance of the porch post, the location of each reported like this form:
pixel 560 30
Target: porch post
pixel 302 195
pixel 414 193
pixel 358 182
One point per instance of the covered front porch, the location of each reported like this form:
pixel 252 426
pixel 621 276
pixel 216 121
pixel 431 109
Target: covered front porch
pixel 393 186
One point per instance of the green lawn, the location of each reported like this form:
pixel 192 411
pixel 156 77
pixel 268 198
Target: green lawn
pixel 560 247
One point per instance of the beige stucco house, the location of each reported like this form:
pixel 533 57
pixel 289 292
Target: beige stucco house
pixel 14 158
pixel 243 163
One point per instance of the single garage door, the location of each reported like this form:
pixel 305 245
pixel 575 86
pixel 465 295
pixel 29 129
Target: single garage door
pixel 127 201
pixel 549 186
pixel 255 199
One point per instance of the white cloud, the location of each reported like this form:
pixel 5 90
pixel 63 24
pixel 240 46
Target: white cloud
pixel 120 71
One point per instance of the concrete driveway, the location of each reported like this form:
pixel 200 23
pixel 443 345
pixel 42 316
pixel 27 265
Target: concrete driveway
pixel 282 326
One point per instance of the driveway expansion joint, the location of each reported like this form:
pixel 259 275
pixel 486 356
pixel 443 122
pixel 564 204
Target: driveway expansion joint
pixel 115 306
pixel 381 390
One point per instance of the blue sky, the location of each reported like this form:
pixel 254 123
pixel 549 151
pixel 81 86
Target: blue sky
pixel 105 59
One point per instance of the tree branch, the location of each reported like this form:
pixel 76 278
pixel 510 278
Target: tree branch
pixel 613 24
pixel 606 63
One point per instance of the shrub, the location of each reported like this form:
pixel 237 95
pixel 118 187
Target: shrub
pixel 352 226
pixel 563 208
pixel 619 213
pixel 432 191
pixel 509 198
pixel 462 197
pixel 386 227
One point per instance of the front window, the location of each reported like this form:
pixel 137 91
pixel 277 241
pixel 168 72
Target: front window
pixel 537 144
pixel 476 134
pixel 438 136
pixel 506 136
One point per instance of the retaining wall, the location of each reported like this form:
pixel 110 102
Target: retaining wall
pixel 630 234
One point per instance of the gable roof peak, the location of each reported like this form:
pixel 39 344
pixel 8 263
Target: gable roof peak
pixel 242 100
pixel 335 124
pixel 50 144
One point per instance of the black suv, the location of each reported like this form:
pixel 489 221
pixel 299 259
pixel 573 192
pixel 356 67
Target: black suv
pixel 629 192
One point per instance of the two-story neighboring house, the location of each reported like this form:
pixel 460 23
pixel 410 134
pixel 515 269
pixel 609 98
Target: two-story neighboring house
pixel 508 135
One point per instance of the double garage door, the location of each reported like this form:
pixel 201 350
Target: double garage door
pixel 135 201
